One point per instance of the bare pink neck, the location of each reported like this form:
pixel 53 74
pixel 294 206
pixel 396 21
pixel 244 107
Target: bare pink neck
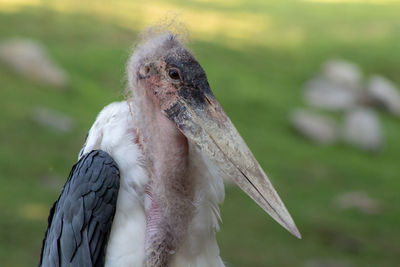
pixel 166 150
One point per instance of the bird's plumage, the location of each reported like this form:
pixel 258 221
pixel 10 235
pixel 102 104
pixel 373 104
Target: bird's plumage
pixel 172 143
pixel 80 220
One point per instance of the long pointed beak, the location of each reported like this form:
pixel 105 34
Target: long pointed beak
pixel 207 126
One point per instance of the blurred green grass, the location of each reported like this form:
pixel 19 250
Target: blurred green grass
pixel 256 68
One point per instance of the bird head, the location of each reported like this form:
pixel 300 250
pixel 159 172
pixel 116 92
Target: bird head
pixel 163 69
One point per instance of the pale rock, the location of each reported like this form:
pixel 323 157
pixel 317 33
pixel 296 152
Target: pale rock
pixel 29 59
pixel 323 93
pixel 358 200
pixel 343 73
pixel 315 127
pixel 52 119
pixel 382 91
pixel 362 129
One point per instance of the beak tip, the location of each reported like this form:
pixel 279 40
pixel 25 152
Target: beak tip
pixel 292 228
pixel 287 222
pixel 294 231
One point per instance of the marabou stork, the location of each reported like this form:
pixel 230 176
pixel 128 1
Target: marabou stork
pixel 146 188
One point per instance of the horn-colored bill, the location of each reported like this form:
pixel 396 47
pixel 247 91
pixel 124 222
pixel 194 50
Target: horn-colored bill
pixel 213 132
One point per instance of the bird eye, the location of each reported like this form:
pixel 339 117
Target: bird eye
pixel 174 74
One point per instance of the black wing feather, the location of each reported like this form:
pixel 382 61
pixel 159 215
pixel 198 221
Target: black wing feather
pixel 80 220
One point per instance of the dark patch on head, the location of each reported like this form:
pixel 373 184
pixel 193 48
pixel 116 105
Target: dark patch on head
pixel 194 87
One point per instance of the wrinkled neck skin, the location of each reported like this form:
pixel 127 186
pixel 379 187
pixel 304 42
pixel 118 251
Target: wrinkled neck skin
pixel 169 202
